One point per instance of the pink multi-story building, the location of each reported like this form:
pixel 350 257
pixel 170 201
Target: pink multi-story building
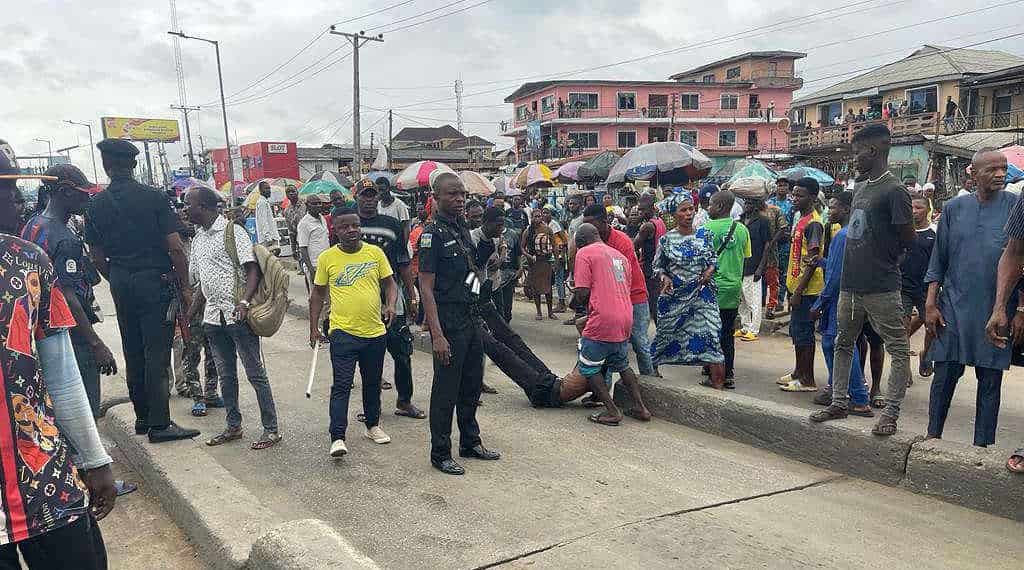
pixel 731 107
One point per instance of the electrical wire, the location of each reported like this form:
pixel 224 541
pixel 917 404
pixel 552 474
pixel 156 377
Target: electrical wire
pixel 375 12
pixel 445 15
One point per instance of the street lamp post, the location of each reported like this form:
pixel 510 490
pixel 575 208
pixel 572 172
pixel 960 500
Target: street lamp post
pixel 49 152
pixel 223 105
pixel 92 149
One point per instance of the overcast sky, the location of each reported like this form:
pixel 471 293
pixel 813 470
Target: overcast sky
pixel 84 60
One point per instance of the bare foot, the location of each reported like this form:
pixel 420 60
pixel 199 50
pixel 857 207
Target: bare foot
pixel 641 414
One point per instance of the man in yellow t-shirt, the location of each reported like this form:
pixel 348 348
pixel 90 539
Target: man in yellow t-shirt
pixel 354 272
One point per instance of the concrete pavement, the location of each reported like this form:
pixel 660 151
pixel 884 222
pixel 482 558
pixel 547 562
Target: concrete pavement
pixel 569 493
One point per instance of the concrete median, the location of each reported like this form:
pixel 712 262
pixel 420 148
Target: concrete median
pixel 306 544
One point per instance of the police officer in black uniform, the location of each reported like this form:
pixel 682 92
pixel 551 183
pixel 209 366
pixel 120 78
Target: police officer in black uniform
pixel 134 242
pixel 449 285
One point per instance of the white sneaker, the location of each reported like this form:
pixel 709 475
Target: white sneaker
pixel 338 448
pixel 377 435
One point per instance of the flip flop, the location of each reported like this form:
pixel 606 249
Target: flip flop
pixel 198 409
pixel 1019 467
pixel 868 413
pixel 785 380
pixel 590 402
pixel 123 488
pixel 886 426
pixel 413 412
pixel 796 386
pixel 600 418
pixel 926 369
pixel 878 403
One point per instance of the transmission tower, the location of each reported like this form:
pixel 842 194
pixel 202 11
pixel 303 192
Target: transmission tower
pixel 458 102
pixel 180 72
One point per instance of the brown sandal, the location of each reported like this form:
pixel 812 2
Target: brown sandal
pixel 885 426
pixel 267 440
pixel 224 437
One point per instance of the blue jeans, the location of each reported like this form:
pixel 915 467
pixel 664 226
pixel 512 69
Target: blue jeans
pixel 231 343
pixel 638 339
pixel 783 268
pixel 559 276
pixel 858 386
pixel 346 351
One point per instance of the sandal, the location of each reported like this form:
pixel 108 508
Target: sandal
pixel 886 426
pixel 267 440
pixel 385 385
pixel 600 418
pixel 411 412
pixel 590 402
pixel 878 403
pixel 926 369
pixel 706 382
pixel 866 412
pixel 487 389
pixel 224 437
pixel 830 413
pixel 199 409
pixel 1018 465
pixel 539 318
pixel 730 384
pixel 797 386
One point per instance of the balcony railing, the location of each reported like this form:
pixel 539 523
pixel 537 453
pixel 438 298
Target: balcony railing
pixel 907 125
pixel 1012 119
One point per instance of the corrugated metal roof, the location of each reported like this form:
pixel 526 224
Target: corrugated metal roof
pixel 778 54
pixel 930 62
pixel 972 142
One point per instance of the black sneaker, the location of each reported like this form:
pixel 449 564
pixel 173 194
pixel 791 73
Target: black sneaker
pixel 172 432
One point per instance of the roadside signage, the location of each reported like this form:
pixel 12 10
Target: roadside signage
pixel 141 130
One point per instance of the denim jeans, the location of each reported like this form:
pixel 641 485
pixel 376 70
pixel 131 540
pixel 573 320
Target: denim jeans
pixel 990 382
pixel 858 386
pixel 885 313
pixel 559 277
pixel 346 351
pixel 638 339
pixel 230 343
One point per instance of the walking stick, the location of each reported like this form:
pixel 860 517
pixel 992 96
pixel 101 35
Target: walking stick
pixel 312 370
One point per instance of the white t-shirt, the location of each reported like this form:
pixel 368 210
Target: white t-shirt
pixel 397 209
pixel 312 233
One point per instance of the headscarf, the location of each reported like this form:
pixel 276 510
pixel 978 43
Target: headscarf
pixel 671 204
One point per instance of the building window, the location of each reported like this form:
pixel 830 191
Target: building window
pixel 689 101
pixel 726 138
pixel 752 139
pixel 626 102
pixel 730 101
pixel 709 78
pixel 828 112
pixel 583 140
pixel 732 73
pixel 773 68
pixel 586 101
pixel 923 100
pixel 689 137
pixel 627 139
pixel 521 113
pixel 547 104
pixel 801 116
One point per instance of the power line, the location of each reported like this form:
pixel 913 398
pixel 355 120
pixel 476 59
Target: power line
pixel 279 67
pixel 375 12
pixel 413 17
pixel 428 20
pixel 254 98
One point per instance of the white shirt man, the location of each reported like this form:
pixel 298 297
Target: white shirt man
pixel 210 265
pixel 266 225
pixel 312 233
pixel 396 209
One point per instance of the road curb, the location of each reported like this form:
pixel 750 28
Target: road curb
pixel 971 476
pixel 229 526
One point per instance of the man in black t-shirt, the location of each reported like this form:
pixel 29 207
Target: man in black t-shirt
pixel 388 234
pixel 759 228
pixel 912 269
pixel 881 227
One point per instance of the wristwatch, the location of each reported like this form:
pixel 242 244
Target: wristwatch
pixel 245 303
pixel 1020 308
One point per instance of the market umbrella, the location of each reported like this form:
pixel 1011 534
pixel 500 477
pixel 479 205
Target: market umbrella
pixel 182 185
pixel 417 174
pixel 799 171
pixel 569 172
pixel 322 188
pixel 534 175
pixel 475 183
pixel 236 189
pixel 744 168
pixel 378 174
pixel 596 168
pixel 330 176
pixel 671 163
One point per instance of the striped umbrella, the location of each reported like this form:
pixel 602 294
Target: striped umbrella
pixel 663 163
pixel 475 183
pixel 417 174
pixel 534 175
pixel 569 172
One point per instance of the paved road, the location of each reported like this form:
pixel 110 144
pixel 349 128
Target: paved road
pixel 572 494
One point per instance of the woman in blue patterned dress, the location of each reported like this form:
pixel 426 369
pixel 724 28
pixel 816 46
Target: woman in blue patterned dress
pixel 688 316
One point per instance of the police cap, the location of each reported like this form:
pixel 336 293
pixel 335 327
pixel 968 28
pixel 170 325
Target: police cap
pixel 117 147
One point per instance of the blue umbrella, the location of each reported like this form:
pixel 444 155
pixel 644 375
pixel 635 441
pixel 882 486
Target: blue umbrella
pixel 797 172
pixel 378 174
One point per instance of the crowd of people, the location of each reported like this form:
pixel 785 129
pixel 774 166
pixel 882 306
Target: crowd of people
pixel 864 268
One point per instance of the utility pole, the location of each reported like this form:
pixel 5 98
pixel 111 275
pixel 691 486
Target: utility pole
pixel 357 41
pixel 458 103
pixel 188 134
pixel 149 163
pixel 672 121
pixel 92 149
pixel 391 136
pixel 49 152
pixel 371 145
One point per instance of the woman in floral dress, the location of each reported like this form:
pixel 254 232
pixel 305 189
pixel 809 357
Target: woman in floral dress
pixel 688 317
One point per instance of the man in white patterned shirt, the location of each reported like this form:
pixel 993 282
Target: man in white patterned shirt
pixel 227 283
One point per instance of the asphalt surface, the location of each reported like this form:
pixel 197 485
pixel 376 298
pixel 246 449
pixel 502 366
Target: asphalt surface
pixel 569 493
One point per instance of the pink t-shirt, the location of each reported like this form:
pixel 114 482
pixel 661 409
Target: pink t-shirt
pixel 606 273
pixel 659 228
pixel 620 242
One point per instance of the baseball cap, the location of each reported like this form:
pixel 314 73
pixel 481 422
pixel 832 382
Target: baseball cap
pixel 70 175
pixel 9 169
pixel 364 185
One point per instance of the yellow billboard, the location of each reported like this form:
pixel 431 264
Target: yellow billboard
pixel 142 130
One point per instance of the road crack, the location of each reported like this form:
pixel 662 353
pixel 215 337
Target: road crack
pixel 657 517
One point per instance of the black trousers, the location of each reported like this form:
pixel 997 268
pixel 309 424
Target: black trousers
pixel 653 290
pixel 515 359
pixel 347 351
pixel 399 342
pixel 77 546
pixel 728 341
pixel 502 299
pixel 141 299
pixel 456 388
pixel 986 418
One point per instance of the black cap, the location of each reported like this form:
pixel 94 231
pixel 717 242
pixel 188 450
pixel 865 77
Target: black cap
pixel 117 147
pixel 69 174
